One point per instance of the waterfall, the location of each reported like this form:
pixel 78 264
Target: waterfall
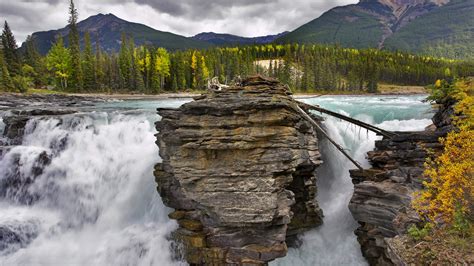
pixel 93 203
pixel 334 243
pixel 84 191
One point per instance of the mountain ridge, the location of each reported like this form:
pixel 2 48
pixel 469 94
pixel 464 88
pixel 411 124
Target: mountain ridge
pixel 230 39
pixel 107 29
pixel 441 28
pixel 441 25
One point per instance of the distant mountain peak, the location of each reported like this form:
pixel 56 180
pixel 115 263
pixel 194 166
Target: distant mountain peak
pixel 398 7
pixel 229 39
pixel 107 29
pixel 437 27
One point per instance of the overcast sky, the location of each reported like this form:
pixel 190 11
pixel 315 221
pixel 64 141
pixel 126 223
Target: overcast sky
pixel 186 17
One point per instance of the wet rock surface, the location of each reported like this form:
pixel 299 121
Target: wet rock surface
pixel 238 168
pixel 382 197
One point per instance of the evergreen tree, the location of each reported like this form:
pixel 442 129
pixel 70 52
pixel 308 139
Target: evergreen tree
pixel 181 72
pixel 174 84
pixel 125 60
pixel 154 80
pixel 99 66
pixel 137 78
pixel 31 56
pixel 6 83
pixel 143 61
pixel 88 64
pixel 33 59
pixel 77 79
pixel 10 51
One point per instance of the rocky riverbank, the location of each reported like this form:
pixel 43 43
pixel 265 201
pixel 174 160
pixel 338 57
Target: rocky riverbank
pixel 9 101
pixel 382 197
pixel 238 168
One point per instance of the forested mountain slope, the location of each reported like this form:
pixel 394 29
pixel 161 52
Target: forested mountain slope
pixel 434 27
pixel 107 29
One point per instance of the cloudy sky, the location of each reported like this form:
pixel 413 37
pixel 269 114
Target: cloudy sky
pixel 185 17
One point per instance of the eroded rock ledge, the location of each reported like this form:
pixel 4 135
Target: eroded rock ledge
pixel 238 168
pixel 382 197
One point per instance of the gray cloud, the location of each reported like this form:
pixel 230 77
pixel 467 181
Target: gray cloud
pixel 185 17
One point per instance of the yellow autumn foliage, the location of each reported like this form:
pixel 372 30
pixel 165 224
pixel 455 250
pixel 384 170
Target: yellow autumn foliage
pixel 449 188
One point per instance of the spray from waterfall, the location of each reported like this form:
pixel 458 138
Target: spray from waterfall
pixel 94 202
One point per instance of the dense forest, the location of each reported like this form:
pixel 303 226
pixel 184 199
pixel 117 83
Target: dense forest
pixel 147 69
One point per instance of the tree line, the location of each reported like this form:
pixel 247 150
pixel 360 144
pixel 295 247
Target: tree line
pixel 148 69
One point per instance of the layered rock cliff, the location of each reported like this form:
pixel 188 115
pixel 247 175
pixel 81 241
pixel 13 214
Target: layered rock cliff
pixel 382 197
pixel 238 169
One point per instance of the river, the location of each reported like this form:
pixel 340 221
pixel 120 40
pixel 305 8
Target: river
pixel 96 203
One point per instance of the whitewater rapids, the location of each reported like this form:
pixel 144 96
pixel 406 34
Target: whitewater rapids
pixel 96 203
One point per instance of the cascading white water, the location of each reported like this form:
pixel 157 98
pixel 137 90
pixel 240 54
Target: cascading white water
pixel 95 203
pixel 334 243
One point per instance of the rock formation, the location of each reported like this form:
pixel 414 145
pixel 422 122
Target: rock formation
pixel 238 168
pixel 382 197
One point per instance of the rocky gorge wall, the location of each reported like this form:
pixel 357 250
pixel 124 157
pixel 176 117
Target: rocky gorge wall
pixel 238 169
pixel 382 197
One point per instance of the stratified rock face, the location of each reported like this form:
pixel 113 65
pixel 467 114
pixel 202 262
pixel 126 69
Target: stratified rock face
pixel 382 197
pixel 238 168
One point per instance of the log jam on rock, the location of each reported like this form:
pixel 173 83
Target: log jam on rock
pixel 238 166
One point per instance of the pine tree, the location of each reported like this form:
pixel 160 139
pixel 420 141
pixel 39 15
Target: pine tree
pixel 6 83
pixel 181 72
pixel 31 55
pixel 125 61
pixel 99 67
pixel 174 84
pixel 10 51
pixel 88 64
pixel 153 72
pixel 137 78
pixel 371 76
pixel 33 59
pixel 77 79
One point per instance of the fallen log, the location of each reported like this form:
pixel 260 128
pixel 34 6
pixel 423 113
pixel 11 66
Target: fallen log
pixel 320 129
pixel 372 128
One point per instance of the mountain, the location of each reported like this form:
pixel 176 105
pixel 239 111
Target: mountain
pixel 108 29
pixel 439 27
pixel 446 31
pixel 229 39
